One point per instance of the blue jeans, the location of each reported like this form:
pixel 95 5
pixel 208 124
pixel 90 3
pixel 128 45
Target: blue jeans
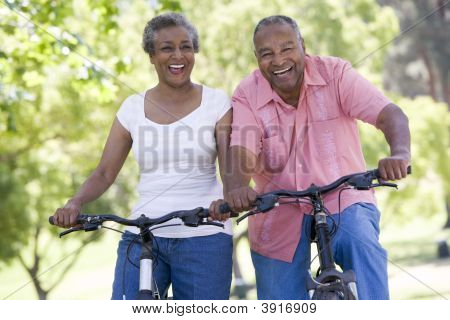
pixel 198 268
pixel 355 246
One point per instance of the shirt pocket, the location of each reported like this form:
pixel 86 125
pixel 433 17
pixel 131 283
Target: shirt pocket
pixel 274 154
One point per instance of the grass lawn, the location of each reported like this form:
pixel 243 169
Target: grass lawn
pixel 415 272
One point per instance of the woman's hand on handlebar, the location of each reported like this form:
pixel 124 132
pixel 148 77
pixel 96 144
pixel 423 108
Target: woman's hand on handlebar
pixel 67 216
pixel 215 213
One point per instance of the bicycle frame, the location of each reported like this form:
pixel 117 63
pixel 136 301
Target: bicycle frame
pixel 329 274
pixel 330 283
pixel 147 288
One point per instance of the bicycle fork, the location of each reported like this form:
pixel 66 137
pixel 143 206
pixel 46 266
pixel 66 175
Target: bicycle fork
pixel 329 275
pixel 147 288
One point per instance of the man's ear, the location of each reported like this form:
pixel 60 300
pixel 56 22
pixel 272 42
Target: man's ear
pixel 254 52
pixel 151 58
pixel 303 45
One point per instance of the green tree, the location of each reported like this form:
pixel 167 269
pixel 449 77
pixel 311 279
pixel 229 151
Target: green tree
pixel 60 87
pixel 420 59
pixel 49 83
pixel 354 30
pixel 423 193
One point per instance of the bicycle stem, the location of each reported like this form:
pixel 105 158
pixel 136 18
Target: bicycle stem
pixel 324 248
pixel 323 239
pixel 146 284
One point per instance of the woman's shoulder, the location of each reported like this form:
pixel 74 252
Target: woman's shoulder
pixel 128 113
pixel 133 100
pixel 218 100
pixel 215 93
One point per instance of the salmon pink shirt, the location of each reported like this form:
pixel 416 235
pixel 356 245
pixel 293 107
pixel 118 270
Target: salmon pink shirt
pixel 316 142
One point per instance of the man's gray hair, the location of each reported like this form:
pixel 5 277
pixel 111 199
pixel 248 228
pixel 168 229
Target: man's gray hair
pixel 167 20
pixel 278 19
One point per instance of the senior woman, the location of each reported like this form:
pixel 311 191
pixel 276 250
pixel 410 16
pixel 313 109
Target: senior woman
pixel 176 130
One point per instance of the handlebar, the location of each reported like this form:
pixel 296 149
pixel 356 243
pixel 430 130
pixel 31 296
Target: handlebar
pixel 190 218
pixel 358 181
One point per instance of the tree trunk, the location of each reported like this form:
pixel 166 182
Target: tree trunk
pixel 429 66
pixel 447 224
pixel 42 294
pixel 446 95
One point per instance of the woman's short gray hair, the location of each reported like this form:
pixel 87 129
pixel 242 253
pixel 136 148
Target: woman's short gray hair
pixel 279 19
pixel 167 20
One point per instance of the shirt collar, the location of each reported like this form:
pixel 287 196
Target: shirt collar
pixel 264 90
pixel 312 75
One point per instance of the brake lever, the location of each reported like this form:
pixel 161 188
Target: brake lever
pixel 195 221
pixel 212 223
pixel 62 234
pixel 86 227
pixel 248 214
pixel 384 184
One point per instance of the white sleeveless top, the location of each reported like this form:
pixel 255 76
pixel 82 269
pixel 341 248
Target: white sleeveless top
pixel 177 162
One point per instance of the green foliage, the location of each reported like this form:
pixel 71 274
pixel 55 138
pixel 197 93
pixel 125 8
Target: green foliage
pixel 53 94
pixel 354 30
pixel 168 5
pixel 424 192
pixel 13 200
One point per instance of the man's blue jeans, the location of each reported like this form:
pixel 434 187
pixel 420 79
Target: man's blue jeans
pixel 198 268
pixel 355 246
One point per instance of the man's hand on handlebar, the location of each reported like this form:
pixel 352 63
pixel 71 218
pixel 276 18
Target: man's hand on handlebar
pixel 241 199
pixel 394 167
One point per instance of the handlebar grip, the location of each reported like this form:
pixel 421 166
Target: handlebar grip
pixel 409 170
pixel 377 172
pixel 80 219
pixel 224 208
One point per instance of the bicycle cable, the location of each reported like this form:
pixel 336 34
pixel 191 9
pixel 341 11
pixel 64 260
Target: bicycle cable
pixel 297 201
pixel 165 226
pixel 116 230
pixel 154 264
pixel 135 237
pixel 310 213
pixel 154 257
pixel 335 226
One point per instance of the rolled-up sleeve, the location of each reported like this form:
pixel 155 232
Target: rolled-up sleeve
pixel 359 98
pixel 245 129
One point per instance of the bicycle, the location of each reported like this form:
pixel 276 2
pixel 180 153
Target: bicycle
pixel 329 283
pixel 147 287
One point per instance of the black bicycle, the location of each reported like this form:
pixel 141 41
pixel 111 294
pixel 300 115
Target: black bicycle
pixel 329 283
pixel 147 286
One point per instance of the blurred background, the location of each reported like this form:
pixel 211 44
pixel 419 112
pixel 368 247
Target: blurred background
pixel 66 66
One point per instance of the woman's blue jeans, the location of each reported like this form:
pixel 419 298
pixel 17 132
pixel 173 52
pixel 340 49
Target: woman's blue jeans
pixel 355 246
pixel 198 268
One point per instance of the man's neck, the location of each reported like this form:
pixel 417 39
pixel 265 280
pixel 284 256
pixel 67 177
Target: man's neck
pixel 291 97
